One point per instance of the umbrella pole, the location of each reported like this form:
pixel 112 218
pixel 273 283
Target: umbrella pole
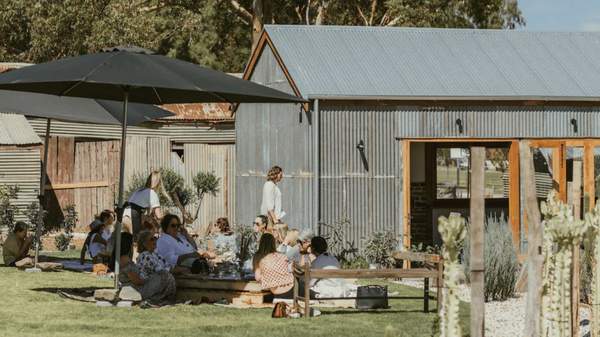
pixel 119 226
pixel 40 219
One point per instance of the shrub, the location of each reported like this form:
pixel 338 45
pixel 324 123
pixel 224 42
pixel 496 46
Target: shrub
pixel 63 239
pixel 7 209
pixel 379 248
pixel 358 262
pixel 337 245
pixel 500 259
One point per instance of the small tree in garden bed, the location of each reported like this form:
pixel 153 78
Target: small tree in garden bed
pixel 63 239
pixel 176 193
pixel 500 259
pixel 7 209
pixel 205 183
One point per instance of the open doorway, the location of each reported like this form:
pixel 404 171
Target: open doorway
pixel 439 175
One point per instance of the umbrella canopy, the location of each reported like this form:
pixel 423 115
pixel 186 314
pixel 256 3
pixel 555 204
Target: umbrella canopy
pixel 147 77
pixel 137 75
pixel 75 109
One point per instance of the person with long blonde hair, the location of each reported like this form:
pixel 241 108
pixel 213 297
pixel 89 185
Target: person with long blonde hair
pixel 271 197
pixel 143 206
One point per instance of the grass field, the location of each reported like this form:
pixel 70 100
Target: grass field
pixel 30 307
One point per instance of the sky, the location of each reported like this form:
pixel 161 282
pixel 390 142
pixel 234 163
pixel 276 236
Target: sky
pixel 561 15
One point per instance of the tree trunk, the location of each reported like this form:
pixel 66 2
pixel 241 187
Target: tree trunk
pixel 262 13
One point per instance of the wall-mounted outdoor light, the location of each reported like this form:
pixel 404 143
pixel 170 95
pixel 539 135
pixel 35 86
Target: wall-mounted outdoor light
pixel 574 124
pixel 361 148
pixel 459 123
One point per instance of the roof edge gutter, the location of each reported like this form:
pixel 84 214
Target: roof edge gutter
pixel 458 98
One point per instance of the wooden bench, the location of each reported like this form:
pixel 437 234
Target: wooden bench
pixel 433 269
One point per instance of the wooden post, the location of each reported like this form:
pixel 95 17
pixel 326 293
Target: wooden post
pixel 535 260
pixel 426 295
pixel 440 284
pixel 307 290
pixel 477 240
pixel 577 180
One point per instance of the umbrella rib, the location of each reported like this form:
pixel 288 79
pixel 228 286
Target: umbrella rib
pixel 157 96
pixel 69 89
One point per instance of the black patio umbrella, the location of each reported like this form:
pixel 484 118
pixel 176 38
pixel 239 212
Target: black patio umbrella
pixel 137 75
pixel 72 109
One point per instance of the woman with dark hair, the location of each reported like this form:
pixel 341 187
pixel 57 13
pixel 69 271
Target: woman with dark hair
pixel 156 288
pixel 271 197
pixel 271 268
pixel 177 247
pixel 98 241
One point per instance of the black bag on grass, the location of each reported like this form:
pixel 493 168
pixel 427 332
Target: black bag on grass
pixel 371 297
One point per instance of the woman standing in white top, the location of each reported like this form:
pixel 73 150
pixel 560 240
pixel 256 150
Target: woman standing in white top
pixel 143 206
pixel 271 198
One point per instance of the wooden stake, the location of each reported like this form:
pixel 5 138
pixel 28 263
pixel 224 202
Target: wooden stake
pixel 477 185
pixel 535 260
pixel 577 179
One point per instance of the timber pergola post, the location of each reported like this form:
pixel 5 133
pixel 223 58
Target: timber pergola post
pixel 534 244
pixel 477 240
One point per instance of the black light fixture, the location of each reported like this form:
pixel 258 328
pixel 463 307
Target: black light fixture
pixel 459 123
pixel 574 124
pixel 361 148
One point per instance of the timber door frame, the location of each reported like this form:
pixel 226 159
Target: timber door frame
pixel 514 197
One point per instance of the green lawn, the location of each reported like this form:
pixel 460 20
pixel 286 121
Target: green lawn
pixel 28 309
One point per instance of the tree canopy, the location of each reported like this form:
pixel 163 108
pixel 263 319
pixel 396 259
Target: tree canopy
pixel 214 33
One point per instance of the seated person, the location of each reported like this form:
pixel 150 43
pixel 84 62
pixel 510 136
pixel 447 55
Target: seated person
pixel 148 261
pixel 260 224
pixel 177 247
pixel 305 255
pixel 223 241
pixel 271 268
pixel 290 246
pixel 97 241
pixel 323 260
pixel 156 287
pixel 17 245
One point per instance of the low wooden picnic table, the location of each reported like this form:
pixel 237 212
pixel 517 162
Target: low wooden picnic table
pixel 432 269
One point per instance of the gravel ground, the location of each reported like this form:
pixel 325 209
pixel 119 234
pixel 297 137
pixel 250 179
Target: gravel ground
pixel 506 318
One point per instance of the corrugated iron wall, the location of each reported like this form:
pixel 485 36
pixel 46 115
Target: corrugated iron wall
pixel 274 134
pixel 220 160
pixel 21 166
pixel 363 187
pixel 495 121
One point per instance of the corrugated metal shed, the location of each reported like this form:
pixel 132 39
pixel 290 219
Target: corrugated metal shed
pixel 343 61
pixel 21 167
pixel 15 130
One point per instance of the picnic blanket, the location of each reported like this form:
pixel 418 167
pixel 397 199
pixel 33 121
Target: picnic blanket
pixel 76 265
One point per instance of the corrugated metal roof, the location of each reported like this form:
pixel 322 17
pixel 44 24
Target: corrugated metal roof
pixel 199 112
pixel 390 62
pixel 15 130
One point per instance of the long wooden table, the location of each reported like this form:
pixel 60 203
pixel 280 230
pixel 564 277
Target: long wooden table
pixel 236 291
